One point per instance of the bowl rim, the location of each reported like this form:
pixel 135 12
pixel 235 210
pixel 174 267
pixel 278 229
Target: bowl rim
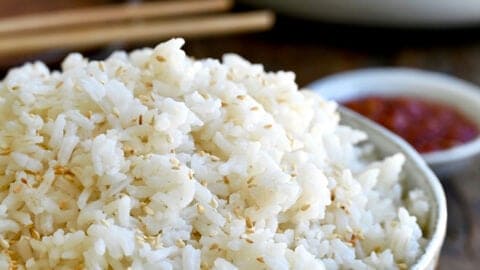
pixel 327 88
pixel 434 245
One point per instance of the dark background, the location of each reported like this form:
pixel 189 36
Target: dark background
pixel 317 49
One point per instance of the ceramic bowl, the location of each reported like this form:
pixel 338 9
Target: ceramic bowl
pixel 396 13
pixel 463 96
pixel 417 174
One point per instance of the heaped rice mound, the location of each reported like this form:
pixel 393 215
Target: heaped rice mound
pixel 152 160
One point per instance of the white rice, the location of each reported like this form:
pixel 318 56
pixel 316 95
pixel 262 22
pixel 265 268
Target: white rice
pixel 152 160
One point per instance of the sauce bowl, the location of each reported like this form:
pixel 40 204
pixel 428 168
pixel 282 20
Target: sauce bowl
pixel 437 87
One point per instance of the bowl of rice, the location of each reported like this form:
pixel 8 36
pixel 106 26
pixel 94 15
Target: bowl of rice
pixel 154 160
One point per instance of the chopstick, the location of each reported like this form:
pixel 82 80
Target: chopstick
pixel 139 31
pixel 109 13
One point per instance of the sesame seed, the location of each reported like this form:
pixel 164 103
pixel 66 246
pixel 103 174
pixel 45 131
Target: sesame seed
pixel 305 207
pixel 180 243
pixel 250 241
pixel 35 234
pixel 213 246
pixel 140 119
pixel 248 222
pixel 200 209
pixel 148 84
pixel 174 161
pixel 344 208
pixel 260 260
pixel 118 71
pixel 69 177
pixel 241 97
pixel 226 180
pixel 196 235
pixel 60 170
pixel 62 205
pixel 255 108
pixel 204 265
pixel 148 210
pixel 128 150
pixel 115 111
pixel 214 203
pixel 268 126
pixel 160 58
pixel 4 243
pixel 5 152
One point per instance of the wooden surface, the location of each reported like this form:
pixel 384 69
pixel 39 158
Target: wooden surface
pixel 314 50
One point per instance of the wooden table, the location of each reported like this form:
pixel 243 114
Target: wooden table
pixel 314 50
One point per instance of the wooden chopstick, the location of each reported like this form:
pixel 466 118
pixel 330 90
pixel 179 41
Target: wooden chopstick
pixel 136 32
pixel 110 13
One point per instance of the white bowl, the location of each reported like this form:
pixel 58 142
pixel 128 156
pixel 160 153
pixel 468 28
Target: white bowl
pixel 413 13
pixel 463 96
pixel 417 174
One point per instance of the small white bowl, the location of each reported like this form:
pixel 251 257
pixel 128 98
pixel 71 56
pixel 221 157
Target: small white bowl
pixel 417 175
pixel 414 13
pixel 463 96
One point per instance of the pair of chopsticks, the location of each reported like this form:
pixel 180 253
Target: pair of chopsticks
pixel 150 21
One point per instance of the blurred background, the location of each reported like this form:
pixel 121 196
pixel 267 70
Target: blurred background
pixel 312 38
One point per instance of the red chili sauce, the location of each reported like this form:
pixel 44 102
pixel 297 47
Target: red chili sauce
pixel 426 125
